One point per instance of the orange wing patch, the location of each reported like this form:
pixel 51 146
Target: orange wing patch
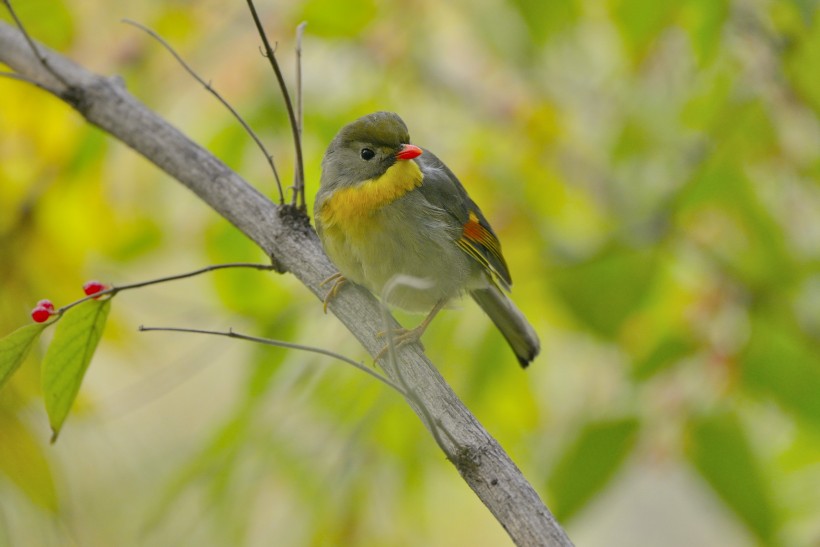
pixel 473 229
pixel 481 244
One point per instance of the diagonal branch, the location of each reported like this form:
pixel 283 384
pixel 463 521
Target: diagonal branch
pixel 285 234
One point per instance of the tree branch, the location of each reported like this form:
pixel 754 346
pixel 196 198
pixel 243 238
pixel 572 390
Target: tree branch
pixel 286 236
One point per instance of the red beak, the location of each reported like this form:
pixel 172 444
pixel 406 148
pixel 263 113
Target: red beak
pixel 408 152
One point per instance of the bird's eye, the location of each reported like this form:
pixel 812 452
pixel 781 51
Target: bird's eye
pixel 367 154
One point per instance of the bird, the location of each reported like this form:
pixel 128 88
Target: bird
pixel 388 210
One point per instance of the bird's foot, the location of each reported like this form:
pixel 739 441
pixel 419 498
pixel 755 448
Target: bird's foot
pixel 338 280
pixel 401 337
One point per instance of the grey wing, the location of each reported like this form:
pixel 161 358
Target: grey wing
pixel 441 188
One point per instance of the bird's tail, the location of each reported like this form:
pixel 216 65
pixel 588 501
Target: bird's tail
pixel 510 321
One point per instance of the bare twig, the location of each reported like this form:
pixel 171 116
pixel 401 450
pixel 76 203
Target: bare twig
pixel 403 388
pixel 281 344
pixel 299 170
pixel 300 31
pixel 114 289
pixel 219 97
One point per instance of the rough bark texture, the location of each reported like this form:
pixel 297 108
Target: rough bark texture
pixel 287 237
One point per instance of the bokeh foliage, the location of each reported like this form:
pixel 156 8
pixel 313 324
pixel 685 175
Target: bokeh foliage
pixel 653 172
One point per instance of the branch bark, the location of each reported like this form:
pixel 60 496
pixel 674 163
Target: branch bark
pixel 287 237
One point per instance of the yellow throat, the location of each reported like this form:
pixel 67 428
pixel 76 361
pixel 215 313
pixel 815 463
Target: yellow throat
pixel 347 208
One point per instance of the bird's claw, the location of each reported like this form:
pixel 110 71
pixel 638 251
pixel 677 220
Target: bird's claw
pixel 400 338
pixel 338 280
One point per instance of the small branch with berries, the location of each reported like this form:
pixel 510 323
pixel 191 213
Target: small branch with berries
pixel 96 290
pixel 64 368
pixel 93 289
pixel 79 327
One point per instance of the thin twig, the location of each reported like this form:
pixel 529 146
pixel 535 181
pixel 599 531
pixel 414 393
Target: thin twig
pixel 299 171
pixel 114 289
pixel 219 97
pixel 300 31
pixel 300 120
pixel 280 344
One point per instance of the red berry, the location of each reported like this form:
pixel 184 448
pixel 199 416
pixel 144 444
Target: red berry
pixel 40 314
pixel 93 287
pixel 46 303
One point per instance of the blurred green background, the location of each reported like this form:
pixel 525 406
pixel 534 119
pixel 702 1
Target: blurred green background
pixel 652 170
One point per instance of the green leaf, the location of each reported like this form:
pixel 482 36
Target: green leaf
pixel 15 347
pixel 807 9
pixel 22 460
pixel 604 290
pixel 338 19
pixel 58 27
pixel 545 19
pixel 634 140
pixel 704 20
pixel 752 246
pixel 244 290
pixel 708 103
pixel 137 237
pixel 589 463
pixel 68 357
pixel 669 350
pixel 640 22
pixel 798 60
pixel 785 365
pixel 720 451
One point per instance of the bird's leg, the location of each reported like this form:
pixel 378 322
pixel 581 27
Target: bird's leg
pixel 402 337
pixel 338 280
